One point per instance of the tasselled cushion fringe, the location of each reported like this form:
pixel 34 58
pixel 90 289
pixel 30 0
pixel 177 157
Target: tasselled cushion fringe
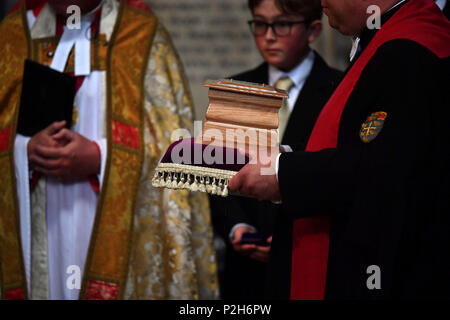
pixel 193 178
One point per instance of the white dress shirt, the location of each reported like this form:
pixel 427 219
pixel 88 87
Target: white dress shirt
pixel 298 75
pixel 441 4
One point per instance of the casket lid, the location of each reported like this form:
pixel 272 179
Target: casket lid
pixel 246 88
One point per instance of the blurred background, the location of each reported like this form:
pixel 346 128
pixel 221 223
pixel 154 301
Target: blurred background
pixel 5 6
pixel 214 40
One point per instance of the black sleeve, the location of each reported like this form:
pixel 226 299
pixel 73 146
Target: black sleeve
pixel 409 83
pixel 227 212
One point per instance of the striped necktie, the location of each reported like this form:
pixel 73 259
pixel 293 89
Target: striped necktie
pixel 286 84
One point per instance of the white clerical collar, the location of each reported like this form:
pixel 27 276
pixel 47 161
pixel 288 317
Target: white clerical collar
pixel 396 5
pixel 356 39
pixel 298 75
pixel 355 48
pixel 80 39
pixel 441 3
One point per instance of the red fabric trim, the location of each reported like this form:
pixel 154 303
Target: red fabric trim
pixel 34 180
pixel 138 4
pixel 100 290
pixel 5 136
pixel 95 184
pixel 312 241
pixel 79 81
pixel 126 135
pixel 418 20
pixel 98 147
pixel 15 8
pixel 93 180
pixel 14 294
pixel 95 25
pixel 38 9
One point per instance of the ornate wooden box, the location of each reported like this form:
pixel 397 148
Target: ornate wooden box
pixel 241 122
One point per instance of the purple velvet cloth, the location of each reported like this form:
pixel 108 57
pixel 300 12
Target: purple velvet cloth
pixel 187 152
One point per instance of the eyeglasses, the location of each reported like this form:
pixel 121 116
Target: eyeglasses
pixel 280 28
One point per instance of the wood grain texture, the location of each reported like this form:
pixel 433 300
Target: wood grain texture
pixel 244 115
pixel 228 135
pixel 233 97
pixel 246 87
pixel 243 109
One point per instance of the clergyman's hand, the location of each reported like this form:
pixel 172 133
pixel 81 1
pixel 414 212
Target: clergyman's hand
pixel 78 158
pixel 256 181
pixel 44 138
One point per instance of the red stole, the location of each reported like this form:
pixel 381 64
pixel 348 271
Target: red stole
pixel 418 20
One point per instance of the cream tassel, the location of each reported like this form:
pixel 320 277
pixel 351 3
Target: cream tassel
pixel 208 185
pixel 180 184
pixel 155 180
pixel 219 188
pixel 162 181
pixel 187 185
pixel 169 180
pixel 175 181
pixel 194 186
pixel 202 187
pixel 225 189
pixel 213 186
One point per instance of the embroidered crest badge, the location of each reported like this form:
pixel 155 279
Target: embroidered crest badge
pixel 372 127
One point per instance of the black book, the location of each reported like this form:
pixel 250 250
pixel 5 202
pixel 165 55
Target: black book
pixel 47 96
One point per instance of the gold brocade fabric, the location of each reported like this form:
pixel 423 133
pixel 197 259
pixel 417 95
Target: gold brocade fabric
pixel 13 51
pixel 170 252
pixel 107 262
pixel 172 256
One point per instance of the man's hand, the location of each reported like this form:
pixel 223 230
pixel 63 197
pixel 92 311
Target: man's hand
pixel 259 253
pixel 254 181
pixel 262 253
pixel 244 249
pixel 72 157
pixel 44 138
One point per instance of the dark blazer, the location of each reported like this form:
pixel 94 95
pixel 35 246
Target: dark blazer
pixel 244 277
pixel 446 9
